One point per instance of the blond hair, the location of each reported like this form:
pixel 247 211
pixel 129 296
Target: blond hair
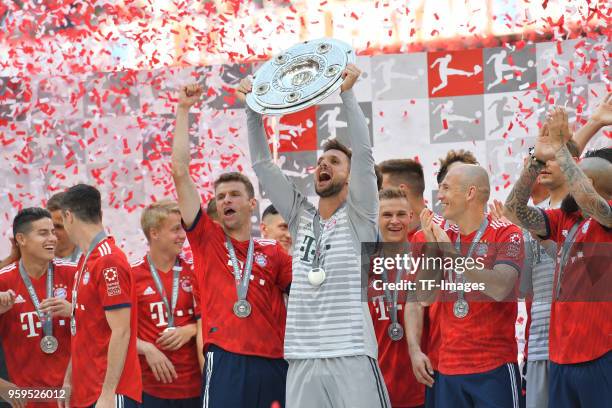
pixel 155 214
pixel 391 193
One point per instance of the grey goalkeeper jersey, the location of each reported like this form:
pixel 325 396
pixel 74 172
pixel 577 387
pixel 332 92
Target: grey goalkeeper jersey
pixel 330 320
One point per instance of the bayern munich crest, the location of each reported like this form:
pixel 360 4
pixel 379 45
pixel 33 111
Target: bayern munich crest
pixel 481 249
pixel 186 285
pixel 60 293
pixel 261 260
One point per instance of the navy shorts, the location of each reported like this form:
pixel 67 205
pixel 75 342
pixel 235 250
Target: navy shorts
pixel 498 388
pixel 581 385
pixel 239 381
pixel 149 401
pixel 430 393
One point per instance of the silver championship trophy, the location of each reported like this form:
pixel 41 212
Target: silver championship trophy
pixel 300 77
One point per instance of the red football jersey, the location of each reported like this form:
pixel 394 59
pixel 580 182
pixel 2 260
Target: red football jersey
pixel 21 330
pixel 261 333
pixel 153 319
pixel 106 283
pixel 484 339
pixel 431 318
pixel 580 331
pixel 393 356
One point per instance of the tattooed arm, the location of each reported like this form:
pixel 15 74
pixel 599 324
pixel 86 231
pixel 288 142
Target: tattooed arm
pixel 580 187
pixel 530 218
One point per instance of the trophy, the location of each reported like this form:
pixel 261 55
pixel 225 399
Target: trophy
pixel 300 77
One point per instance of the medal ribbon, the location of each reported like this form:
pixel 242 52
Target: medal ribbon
pixel 97 239
pixel 176 270
pixel 318 236
pixel 477 238
pixel 392 297
pixel 243 277
pixel 47 320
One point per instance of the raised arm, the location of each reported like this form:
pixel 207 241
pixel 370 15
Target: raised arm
pixel 601 117
pixel 580 186
pixel 363 190
pixel 530 218
pixel 188 197
pixel 282 192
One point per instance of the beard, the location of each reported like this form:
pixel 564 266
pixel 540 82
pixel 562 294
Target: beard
pixel 569 205
pixel 331 190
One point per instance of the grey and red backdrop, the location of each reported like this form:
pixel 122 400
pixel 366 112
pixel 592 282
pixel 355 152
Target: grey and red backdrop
pixel 115 129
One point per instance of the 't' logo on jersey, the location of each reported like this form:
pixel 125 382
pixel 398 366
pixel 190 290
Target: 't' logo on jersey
pixel 29 325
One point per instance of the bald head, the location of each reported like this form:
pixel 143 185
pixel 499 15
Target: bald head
pixel 600 172
pixel 472 175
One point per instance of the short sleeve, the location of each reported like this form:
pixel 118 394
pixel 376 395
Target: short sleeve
pixel 114 282
pixel 510 247
pixel 285 268
pixel 554 218
pixel 197 232
pixel 4 286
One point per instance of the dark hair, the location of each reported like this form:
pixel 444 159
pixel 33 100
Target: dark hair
pixel 603 153
pixel 405 171
pixel 235 176
pixel 270 210
pixel 379 177
pixel 211 208
pixel 22 222
pixel 334 144
pixel 84 201
pixel 55 201
pixel 454 156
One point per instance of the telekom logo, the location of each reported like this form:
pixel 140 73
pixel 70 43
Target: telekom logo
pixel 381 308
pixel 28 324
pixel 157 313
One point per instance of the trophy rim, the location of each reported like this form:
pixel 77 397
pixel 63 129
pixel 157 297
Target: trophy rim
pixel 256 104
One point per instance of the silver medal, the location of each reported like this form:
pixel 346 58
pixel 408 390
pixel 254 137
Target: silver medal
pixel 395 331
pixel 242 308
pixel 73 326
pixel 316 276
pixel 461 308
pixel 48 344
pixel 169 328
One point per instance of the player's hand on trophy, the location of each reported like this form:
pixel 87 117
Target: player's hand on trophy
pixel 244 87
pixel 603 113
pixel 189 95
pixel 7 300
pixel 351 75
pixel 558 128
pixel 56 306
